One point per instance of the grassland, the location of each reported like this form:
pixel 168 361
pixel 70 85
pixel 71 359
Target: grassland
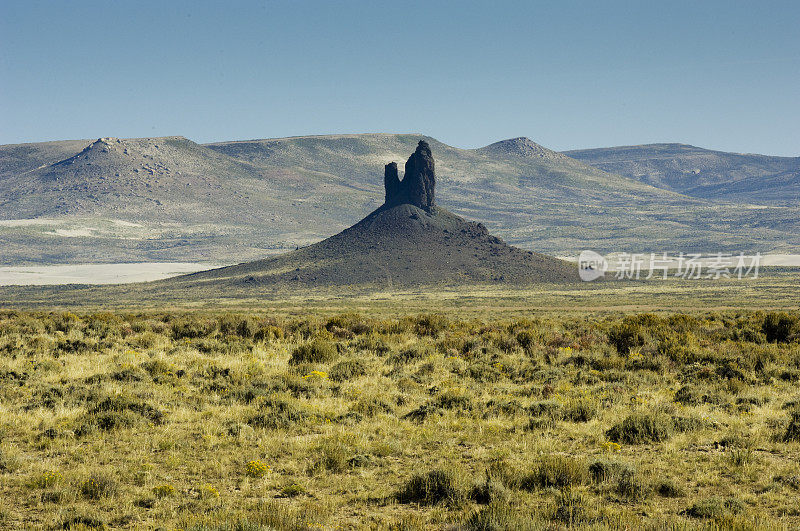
pixel 304 417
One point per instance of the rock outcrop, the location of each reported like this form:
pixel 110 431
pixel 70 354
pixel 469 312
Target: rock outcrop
pixel 419 181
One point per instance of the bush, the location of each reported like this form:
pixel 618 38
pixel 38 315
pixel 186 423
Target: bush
pixel 603 470
pixel 193 327
pixel 714 507
pixel 668 489
pixel 641 429
pixel 580 411
pixel 163 491
pixel 348 369
pixel 630 486
pixel 490 490
pixel 556 471
pixel 627 335
pixel 498 517
pixel 276 413
pixel 436 486
pixel 779 326
pixel 97 487
pixel 318 351
pixel 793 429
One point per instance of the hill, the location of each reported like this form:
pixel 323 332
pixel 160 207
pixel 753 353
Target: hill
pixel 170 199
pixel 408 241
pixel 703 173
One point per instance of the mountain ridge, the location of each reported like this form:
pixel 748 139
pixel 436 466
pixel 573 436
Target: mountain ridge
pixel 246 199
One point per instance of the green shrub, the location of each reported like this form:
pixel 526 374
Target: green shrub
pixel 318 351
pixel 436 486
pixel 193 327
pixel 627 335
pixel 347 370
pixel 715 507
pixel 570 507
pixel 98 486
pixel 603 470
pixel 630 486
pixel 277 413
pixel 556 471
pixel 580 411
pixel 641 428
pixel 779 326
pixel 490 491
pixel 498 517
pixel 292 490
pixel 793 429
pixel 668 489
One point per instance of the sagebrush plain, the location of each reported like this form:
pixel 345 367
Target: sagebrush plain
pixel 324 418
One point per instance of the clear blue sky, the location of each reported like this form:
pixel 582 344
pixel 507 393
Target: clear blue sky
pixel 718 74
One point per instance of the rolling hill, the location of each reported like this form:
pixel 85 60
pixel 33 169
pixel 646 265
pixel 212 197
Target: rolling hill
pixel 170 199
pixel 703 173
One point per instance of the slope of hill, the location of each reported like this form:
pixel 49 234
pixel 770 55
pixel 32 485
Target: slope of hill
pixel 401 246
pixel 408 241
pixel 703 173
pixel 170 199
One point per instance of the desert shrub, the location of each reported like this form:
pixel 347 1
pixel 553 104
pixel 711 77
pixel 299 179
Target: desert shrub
pixel 630 486
pixel 715 507
pixel 317 351
pixel 627 335
pixel 163 491
pixel 793 429
pixel 98 486
pixel 489 491
pixel 82 521
pixel 485 372
pixel 256 468
pixel 556 471
pixel 683 424
pixel 642 428
pixel 292 490
pixel 238 325
pixel 276 413
pixel 455 398
pixel 527 340
pixel 371 405
pixel 580 411
pixel 193 327
pixel 126 404
pixel 546 408
pixel 570 507
pixel 690 395
pixel 603 470
pixel 779 326
pixel 332 455
pixel 348 369
pixel 373 343
pixel 667 488
pixel 436 486
pixel 499 517
pixel 8 462
pixel 409 355
pixel 430 325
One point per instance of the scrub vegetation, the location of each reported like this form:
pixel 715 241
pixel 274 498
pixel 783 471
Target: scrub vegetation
pixel 322 420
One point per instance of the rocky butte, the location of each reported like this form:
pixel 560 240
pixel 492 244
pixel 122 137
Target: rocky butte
pixel 418 184
pixel 408 241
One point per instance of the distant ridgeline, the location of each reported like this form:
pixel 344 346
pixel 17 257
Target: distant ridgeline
pixel 419 181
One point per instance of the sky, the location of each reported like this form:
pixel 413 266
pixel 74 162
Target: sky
pixel 717 74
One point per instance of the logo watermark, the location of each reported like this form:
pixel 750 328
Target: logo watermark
pixel 687 266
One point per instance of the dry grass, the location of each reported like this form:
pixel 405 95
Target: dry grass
pixel 211 421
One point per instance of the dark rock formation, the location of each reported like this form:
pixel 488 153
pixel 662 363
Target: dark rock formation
pixel 419 181
pixel 391 181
